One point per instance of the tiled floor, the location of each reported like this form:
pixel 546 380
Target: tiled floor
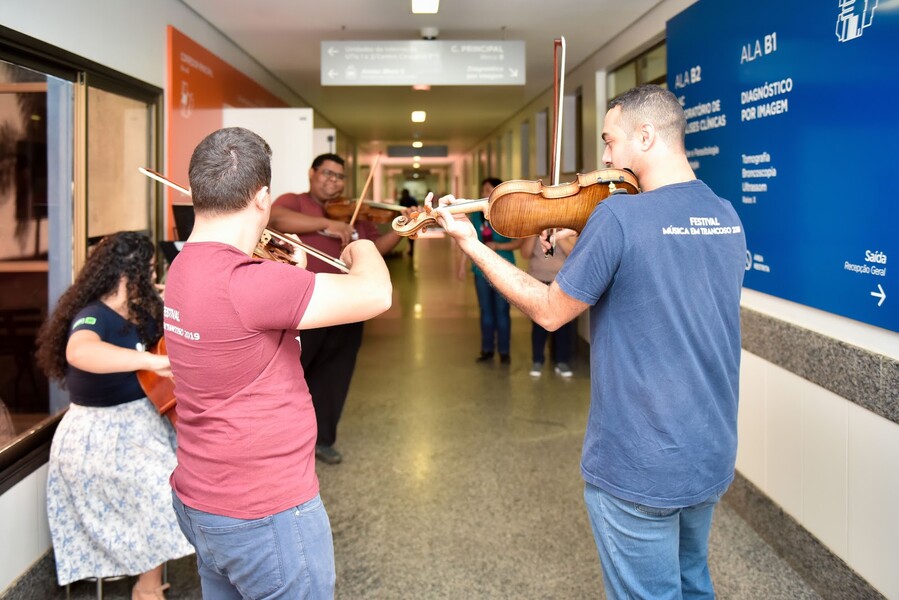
pixel 461 480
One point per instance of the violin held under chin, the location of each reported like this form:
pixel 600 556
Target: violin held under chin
pixel 343 209
pixel 519 209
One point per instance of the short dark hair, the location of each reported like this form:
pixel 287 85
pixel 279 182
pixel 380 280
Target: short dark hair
pixel 653 104
pixel 227 168
pixel 494 181
pixel 321 158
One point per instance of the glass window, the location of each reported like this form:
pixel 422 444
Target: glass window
pixel 541 131
pixel 24 247
pixel 117 198
pixel 525 150
pixel 69 155
pixel 507 157
pixel 572 134
pixel 649 67
pixel 652 67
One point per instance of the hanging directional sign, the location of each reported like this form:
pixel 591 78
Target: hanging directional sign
pixel 431 62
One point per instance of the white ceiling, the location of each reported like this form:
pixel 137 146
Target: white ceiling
pixel 285 37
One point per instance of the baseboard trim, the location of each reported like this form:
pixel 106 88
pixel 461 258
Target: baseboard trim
pixel 39 581
pixel 823 570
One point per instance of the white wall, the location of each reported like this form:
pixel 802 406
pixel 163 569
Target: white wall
pixel 130 37
pixel 830 464
pixel 288 132
pixel 24 533
pixel 127 35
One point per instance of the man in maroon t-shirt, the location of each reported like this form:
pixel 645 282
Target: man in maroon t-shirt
pixel 329 353
pixel 245 489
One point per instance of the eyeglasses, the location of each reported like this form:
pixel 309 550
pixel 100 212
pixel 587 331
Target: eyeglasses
pixel 331 174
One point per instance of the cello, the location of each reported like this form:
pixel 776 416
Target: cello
pixel 159 390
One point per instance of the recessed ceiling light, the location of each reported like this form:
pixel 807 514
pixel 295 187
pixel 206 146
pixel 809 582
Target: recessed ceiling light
pixel 415 165
pixel 419 116
pixel 416 158
pixel 417 144
pixel 425 7
pixel 421 87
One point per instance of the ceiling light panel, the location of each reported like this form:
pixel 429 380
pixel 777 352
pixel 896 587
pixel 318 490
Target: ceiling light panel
pixel 425 7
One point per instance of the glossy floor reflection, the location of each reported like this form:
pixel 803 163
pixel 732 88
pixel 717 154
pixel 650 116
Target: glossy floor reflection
pixel 461 480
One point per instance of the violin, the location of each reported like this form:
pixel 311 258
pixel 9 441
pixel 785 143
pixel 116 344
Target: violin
pixel 265 247
pixel 342 209
pixel 519 209
pixel 159 390
pixel 274 245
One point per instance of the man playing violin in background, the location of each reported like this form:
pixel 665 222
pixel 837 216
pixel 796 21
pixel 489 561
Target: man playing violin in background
pixel 329 353
pixel 661 273
pixel 245 489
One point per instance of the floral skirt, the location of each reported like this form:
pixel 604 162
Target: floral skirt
pixel 109 502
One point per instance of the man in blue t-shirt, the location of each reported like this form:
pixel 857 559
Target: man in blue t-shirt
pixel 661 273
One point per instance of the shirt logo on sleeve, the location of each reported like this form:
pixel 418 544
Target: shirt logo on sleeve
pixel 84 321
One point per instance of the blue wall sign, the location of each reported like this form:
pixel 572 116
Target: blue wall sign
pixel 793 115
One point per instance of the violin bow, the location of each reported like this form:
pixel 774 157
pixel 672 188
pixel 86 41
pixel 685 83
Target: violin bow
pixel 339 264
pixel 371 174
pixel 558 102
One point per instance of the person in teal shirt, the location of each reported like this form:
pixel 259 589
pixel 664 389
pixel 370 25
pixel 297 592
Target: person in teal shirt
pixel 496 323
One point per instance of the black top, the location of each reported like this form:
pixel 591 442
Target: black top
pixel 106 389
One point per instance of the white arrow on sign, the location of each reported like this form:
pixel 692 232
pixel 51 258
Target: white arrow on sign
pixel 332 73
pixel 513 72
pixel 332 51
pixel 881 294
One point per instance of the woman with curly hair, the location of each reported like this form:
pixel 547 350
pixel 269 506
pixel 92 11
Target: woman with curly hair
pixel 108 497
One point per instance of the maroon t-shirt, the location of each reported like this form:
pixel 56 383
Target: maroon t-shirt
pixel 246 425
pixel 306 204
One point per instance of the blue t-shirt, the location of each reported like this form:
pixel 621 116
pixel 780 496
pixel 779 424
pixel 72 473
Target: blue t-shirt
pixel 105 389
pixel 663 272
pixel 486 234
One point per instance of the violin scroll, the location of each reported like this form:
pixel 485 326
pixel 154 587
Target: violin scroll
pixel 419 220
pixel 271 248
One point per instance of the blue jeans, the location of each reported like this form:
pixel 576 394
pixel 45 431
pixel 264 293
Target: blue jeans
pixel 496 324
pixel 287 556
pixel 649 552
pixel 562 343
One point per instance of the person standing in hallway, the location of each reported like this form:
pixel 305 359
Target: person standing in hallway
pixel 109 504
pixel 544 268
pixel 407 200
pixel 495 320
pixel 329 353
pixel 245 489
pixel 661 437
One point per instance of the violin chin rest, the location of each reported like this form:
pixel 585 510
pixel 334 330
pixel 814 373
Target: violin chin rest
pixel 617 191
